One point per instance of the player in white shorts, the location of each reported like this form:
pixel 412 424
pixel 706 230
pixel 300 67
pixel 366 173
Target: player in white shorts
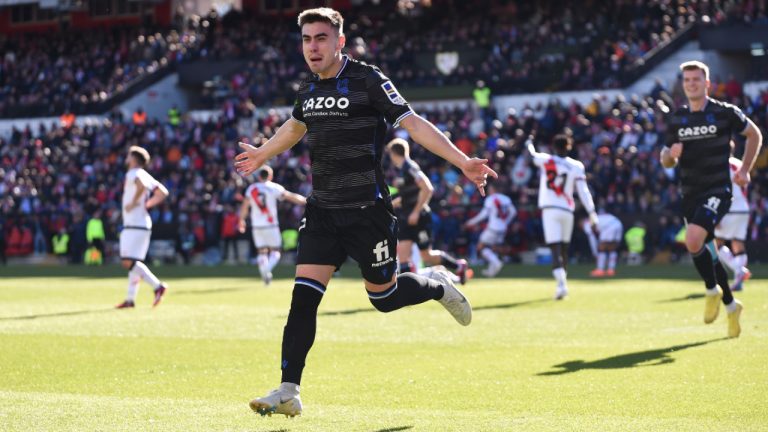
pixel 141 192
pixel 733 228
pixel 560 175
pixel 605 243
pixel 499 211
pixel 261 199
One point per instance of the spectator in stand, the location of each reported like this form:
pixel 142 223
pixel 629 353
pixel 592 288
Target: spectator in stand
pixel 229 232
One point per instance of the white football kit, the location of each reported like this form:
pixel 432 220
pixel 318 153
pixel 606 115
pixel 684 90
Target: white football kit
pixel 610 230
pixel 137 225
pixel 263 198
pixel 558 179
pixel 499 211
pixel 734 225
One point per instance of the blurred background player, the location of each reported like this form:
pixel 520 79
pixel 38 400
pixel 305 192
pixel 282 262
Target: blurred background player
pixel 733 229
pixel 415 216
pixel 141 192
pixel 698 140
pixel 500 212
pixel 560 175
pixel 605 243
pixel 261 199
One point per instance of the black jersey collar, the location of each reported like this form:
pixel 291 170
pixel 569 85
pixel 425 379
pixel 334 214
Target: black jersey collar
pixel 345 58
pixel 703 109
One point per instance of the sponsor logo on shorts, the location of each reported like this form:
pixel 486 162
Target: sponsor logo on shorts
pixel 712 204
pixel 381 252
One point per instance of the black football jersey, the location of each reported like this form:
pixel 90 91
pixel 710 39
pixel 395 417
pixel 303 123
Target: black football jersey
pixel 409 191
pixel 706 137
pixel 345 119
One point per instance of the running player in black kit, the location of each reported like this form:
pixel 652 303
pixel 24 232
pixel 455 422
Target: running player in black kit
pixel 415 216
pixel 698 139
pixel 342 109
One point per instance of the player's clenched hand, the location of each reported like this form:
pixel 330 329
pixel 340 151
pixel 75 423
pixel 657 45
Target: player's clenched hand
pixel 413 218
pixel 249 160
pixel 676 150
pixel 742 177
pixel 477 171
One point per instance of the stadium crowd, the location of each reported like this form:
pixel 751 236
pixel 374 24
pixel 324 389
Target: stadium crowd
pixel 44 75
pixel 521 45
pixel 57 178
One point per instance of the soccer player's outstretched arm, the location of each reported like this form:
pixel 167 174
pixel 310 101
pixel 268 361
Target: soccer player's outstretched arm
pixel 426 134
pixel 244 208
pixel 286 137
pixel 484 213
pixel 586 200
pixel 294 198
pixel 752 148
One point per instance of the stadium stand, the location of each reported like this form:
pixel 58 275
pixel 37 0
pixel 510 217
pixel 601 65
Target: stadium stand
pixel 57 177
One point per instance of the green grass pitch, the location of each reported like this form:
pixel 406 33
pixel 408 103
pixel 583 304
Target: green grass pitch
pixel 628 354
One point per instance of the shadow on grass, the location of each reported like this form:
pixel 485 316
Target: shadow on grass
pixel 56 314
pixel 478 308
pixel 653 357
pixel 206 291
pixel 395 429
pixel 511 305
pixel 346 312
pixel 693 296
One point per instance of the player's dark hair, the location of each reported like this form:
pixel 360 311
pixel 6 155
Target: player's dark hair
pixel 561 143
pixel 263 174
pixel 695 65
pixel 140 154
pixel 139 158
pixel 323 14
pixel 399 147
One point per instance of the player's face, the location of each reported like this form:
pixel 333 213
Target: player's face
pixel 130 161
pixel 322 47
pixel 695 84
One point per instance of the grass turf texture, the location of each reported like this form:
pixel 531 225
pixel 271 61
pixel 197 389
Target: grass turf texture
pixel 619 354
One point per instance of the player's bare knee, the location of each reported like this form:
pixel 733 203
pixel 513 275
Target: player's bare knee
pixel 128 264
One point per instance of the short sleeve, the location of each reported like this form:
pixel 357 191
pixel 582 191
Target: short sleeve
pixel 386 99
pixel 413 169
pixel 581 172
pixel 539 159
pixel 146 179
pixel 277 190
pixel 737 119
pixel 298 112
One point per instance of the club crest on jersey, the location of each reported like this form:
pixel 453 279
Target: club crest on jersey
pixel 392 93
pixel 324 102
pixel 697 131
pixel 342 86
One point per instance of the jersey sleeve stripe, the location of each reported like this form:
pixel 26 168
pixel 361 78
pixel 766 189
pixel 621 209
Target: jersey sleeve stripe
pixel 404 115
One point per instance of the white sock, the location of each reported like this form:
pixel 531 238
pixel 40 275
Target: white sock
pixel 146 274
pixel 263 262
pixel 133 284
pixel 290 388
pixel 712 291
pixel 612 257
pixel 731 307
pixel 560 275
pixel 601 260
pixel 740 261
pixel 274 258
pixel 726 256
pixel 490 256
